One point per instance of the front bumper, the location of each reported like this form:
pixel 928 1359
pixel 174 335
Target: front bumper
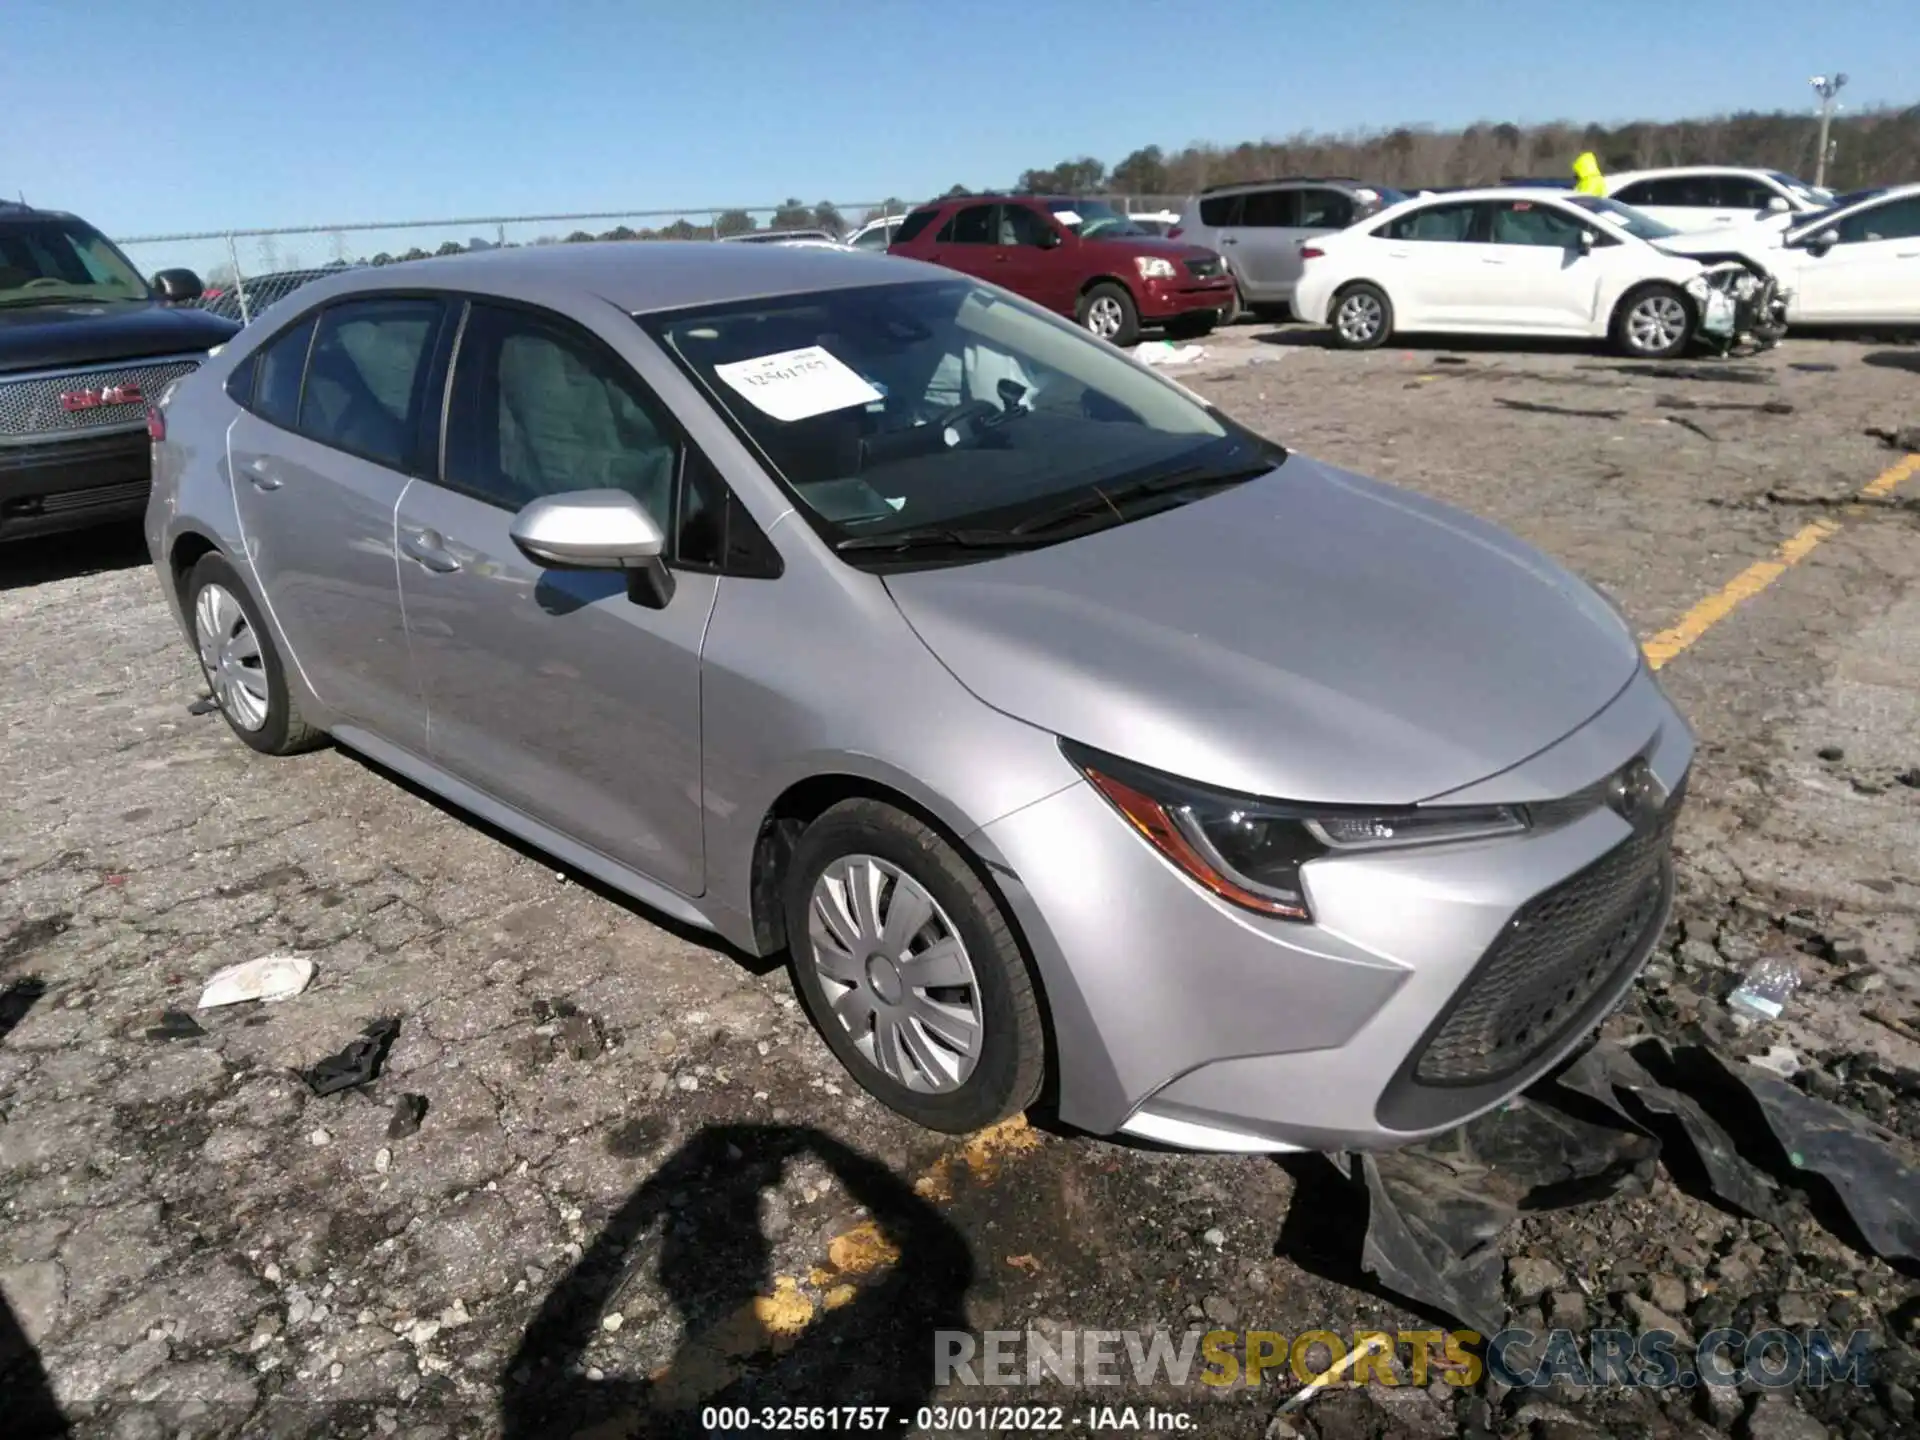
pixel 68 484
pixel 1183 295
pixel 1183 1019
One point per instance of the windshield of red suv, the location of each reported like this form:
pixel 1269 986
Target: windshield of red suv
pixel 887 409
pixel 1093 219
pixel 47 261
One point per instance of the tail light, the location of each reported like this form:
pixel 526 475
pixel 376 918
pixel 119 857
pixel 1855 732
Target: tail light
pixel 1311 252
pixel 156 423
pixel 1176 232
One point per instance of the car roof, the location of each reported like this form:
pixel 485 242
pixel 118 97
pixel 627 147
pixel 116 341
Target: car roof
pixel 1495 192
pixel 1231 186
pixel 637 276
pixel 1678 170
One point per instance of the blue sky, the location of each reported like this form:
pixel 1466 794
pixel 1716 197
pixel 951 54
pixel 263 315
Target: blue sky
pixel 197 115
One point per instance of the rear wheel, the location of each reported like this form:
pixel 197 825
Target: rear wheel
pixel 910 970
pixel 1654 322
pixel 1362 317
pixel 1107 310
pixel 240 663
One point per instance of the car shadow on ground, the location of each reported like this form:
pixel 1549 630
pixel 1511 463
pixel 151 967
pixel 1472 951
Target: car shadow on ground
pixel 749 1341
pixel 31 1408
pixel 1894 359
pixel 67 557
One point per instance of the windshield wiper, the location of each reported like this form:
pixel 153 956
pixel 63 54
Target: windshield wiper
pixel 930 537
pixel 1102 501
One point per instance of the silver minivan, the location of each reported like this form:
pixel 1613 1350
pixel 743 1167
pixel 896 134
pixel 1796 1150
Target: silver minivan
pixel 1259 227
pixel 1062 732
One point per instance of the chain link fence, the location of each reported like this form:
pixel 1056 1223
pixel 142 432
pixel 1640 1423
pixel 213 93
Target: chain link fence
pixel 246 270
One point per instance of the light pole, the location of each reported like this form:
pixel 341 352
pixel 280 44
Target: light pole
pixel 1826 87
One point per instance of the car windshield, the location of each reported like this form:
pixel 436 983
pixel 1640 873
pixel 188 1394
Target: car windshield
pixel 1093 219
pixel 50 260
pixel 1807 194
pixel 1624 217
pixel 890 409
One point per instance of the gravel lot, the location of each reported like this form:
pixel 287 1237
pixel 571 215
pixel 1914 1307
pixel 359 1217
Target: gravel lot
pixel 641 1177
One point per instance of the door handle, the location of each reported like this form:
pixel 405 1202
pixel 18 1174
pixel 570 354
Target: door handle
pixel 261 475
pixel 1491 260
pixel 1397 254
pixel 430 550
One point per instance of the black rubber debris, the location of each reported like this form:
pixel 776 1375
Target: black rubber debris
pixel 175 1025
pixel 357 1063
pixel 205 705
pixel 408 1111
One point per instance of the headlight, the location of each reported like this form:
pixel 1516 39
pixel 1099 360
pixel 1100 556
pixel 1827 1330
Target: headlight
pixel 1152 267
pixel 1249 850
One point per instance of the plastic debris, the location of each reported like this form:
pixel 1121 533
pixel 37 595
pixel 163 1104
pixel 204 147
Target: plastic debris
pixel 1768 985
pixel 1779 1060
pixel 267 978
pixel 357 1062
pixel 1165 352
pixel 408 1112
pixel 175 1025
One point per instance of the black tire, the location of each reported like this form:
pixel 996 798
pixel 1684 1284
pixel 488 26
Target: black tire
pixel 1093 303
pixel 1236 309
pixel 282 731
pixel 1193 326
pixel 1353 336
pixel 1628 336
pixel 1007 1075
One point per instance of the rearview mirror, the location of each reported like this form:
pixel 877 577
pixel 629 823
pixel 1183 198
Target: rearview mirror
pixel 1823 242
pixel 597 530
pixel 177 287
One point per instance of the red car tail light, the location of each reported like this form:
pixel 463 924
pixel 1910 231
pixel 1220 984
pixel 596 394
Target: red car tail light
pixel 1311 252
pixel 156 423
pixel 1176 232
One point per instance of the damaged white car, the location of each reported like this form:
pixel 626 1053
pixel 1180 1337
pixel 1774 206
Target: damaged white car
pixel 1539 262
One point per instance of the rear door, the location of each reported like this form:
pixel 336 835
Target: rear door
pixel 1871 276
pixel 551 690
pixel 1320 210
pixel 1431 264
pixel 966 241
pixel 331 436
pixel 1267 256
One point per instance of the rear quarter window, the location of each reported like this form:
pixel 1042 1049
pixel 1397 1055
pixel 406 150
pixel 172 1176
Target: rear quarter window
pixel 278 368
pixel 911 227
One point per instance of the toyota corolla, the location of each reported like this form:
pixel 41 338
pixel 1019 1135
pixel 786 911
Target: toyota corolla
pixel 1065 733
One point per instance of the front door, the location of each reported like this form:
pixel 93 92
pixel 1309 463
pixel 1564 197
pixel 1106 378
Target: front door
pixel 1871 276
pixel 320 458
pixel 1032 259
pixel 551 690
pixel 1267 253
pixel 966 242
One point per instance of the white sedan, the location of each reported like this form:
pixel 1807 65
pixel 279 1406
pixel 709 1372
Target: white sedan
pixel 1708 197
pixel 1507 262
pixel 1855 263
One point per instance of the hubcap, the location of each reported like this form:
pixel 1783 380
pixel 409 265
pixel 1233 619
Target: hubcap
pixel 1656 323
pixel 895 973
pixel 230 654
pixel 1104 317
pixel 1359 317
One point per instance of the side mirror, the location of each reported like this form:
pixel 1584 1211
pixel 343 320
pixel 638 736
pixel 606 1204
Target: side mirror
pixel 597 530
pixel 1821 243
pixel 1588 240
pixel 1049 239
pixel 1777 205
pixel 177 287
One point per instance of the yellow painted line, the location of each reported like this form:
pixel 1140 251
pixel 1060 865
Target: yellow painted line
pixel 1758 576
pixel 773 1322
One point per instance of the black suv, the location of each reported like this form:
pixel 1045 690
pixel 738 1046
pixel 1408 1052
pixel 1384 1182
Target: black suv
pixel 85 343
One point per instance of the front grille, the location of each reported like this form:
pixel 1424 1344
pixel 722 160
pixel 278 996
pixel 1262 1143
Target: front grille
pixel 98 497
pixel 1561 950
pixel 1204 269
pixel 31 408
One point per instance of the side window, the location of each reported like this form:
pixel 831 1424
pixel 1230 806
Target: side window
pixel 540 409
pixel 1271 208
pixel 1895 220
pixel 971 226
pixel 1435 222
pixel 1020 226
pixel 277 371
pixel 1522 222
pixel 874 239
pixel 1741 192
pixel 1693 192
pixel 1325 210
pixel 239 385
pixel 1220 210
pixel 713 530
pixel 365 377
pixel 911 227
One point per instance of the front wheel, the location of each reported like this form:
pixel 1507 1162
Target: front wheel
pixel 1107 310
pixel 910 970
pixel 1362 317
pixel 1653 323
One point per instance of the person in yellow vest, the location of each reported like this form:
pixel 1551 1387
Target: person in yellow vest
pixel 1586 171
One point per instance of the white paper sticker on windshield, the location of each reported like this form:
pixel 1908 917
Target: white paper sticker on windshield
pixel 797 384
pixel 1067 217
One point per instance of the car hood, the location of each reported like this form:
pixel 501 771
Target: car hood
pixel 1155 245
pixel 1311 635
pixel 46 337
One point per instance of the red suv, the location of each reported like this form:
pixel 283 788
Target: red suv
pixel 1078 257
